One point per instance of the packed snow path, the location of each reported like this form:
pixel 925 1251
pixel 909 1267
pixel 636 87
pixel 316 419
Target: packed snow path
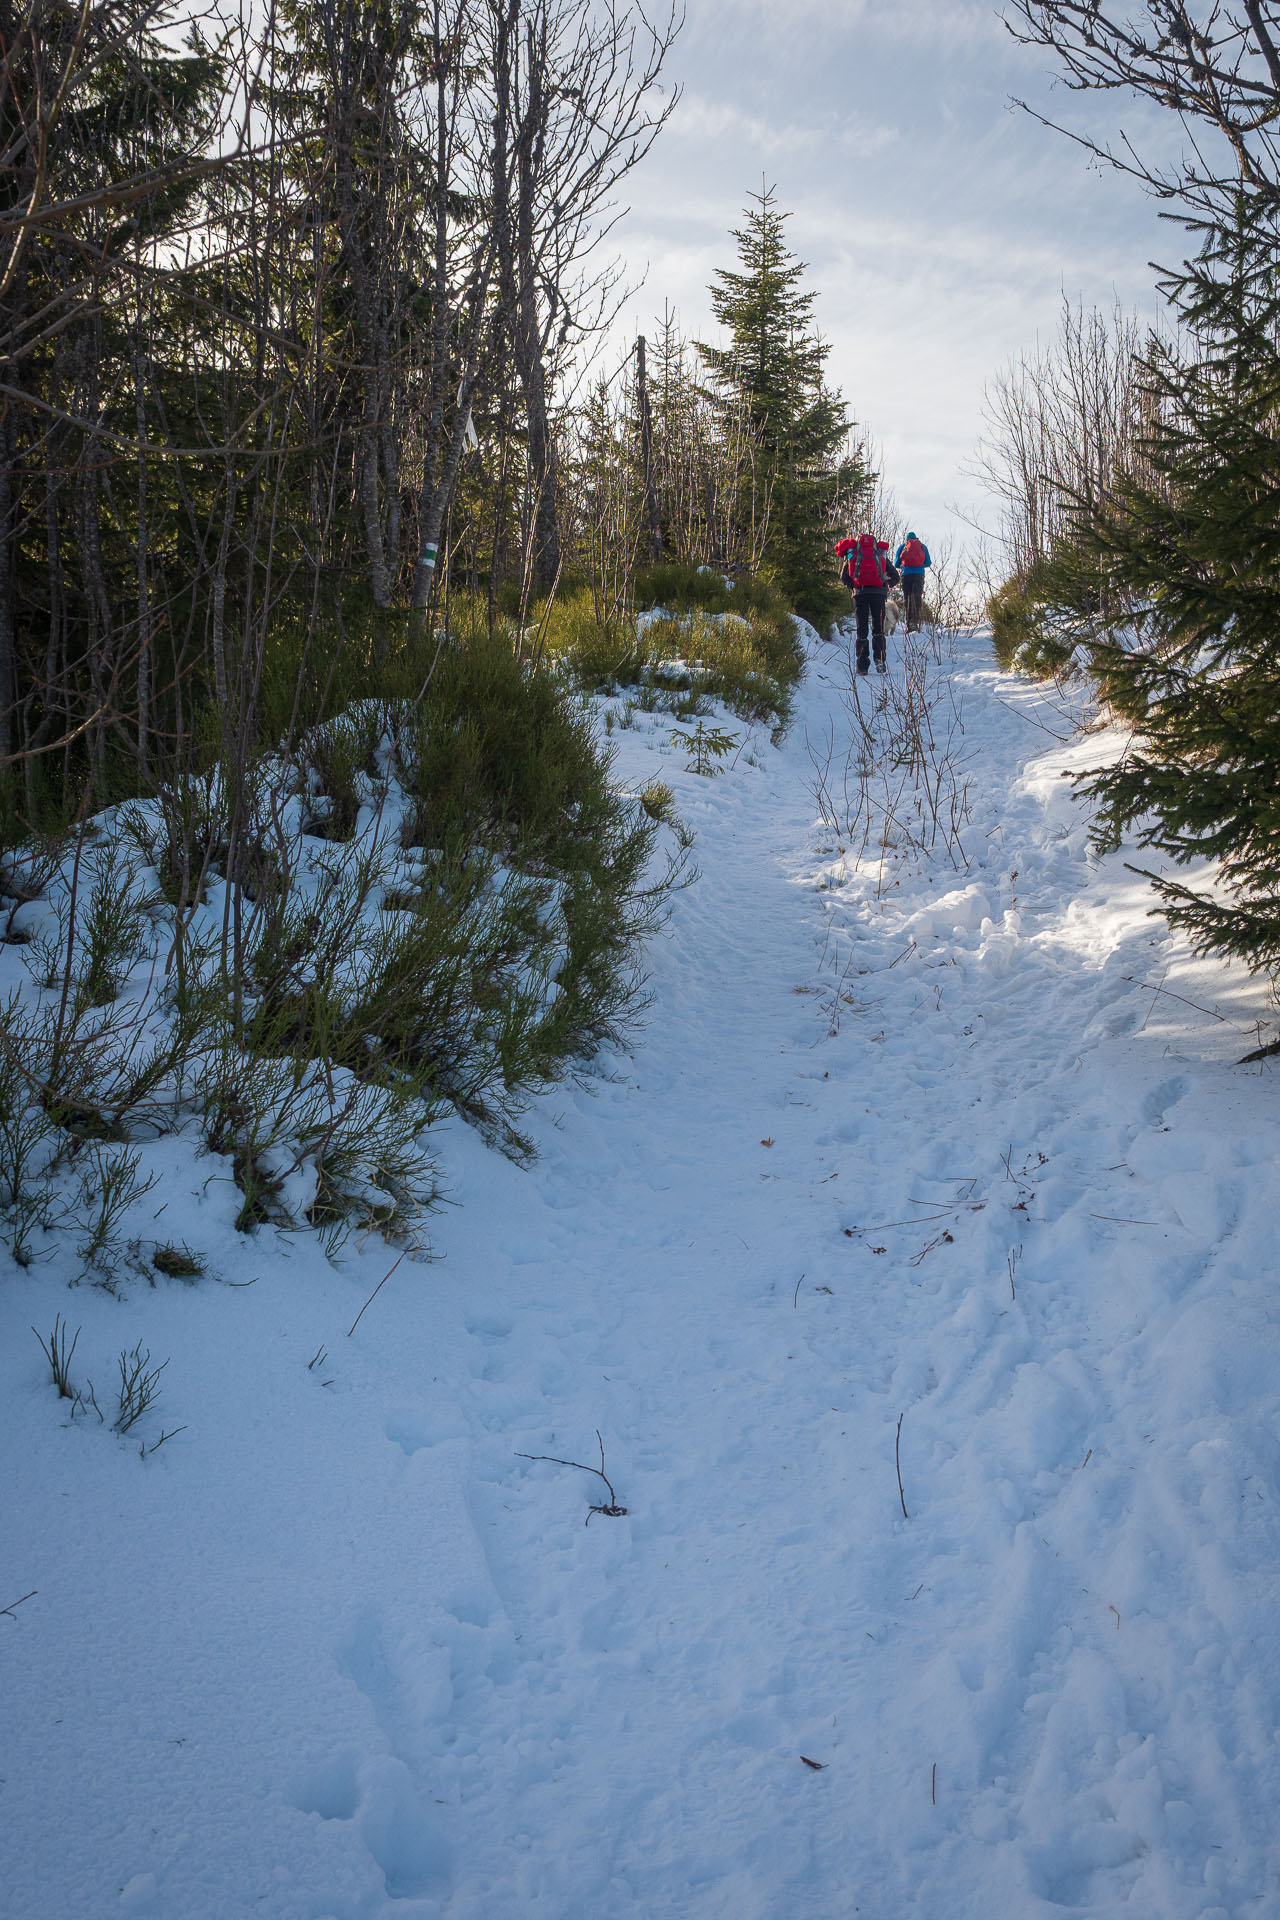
pixel 910 1169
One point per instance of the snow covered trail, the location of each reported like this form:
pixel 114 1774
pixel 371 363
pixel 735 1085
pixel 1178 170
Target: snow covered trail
pixel 920 1174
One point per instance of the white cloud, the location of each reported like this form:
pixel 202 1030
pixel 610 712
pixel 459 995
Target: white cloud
pixel 699 119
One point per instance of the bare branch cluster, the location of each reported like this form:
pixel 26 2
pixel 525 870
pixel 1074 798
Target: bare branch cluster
pixel 898 784
pixel 1215 63
pixel 1059 423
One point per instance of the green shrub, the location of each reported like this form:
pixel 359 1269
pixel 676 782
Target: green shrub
pixel 481 931
pixel 597 644
pixel 506 944
pixel 313 672
pixel 747 659
pixel 658 801
pixel 1029 633
pixel 338 757
pixel 822 603
pixel 500 754
pixel 711 641
pixel 715 640
pixel 501 757
pixel 684 588
pixel 1013 618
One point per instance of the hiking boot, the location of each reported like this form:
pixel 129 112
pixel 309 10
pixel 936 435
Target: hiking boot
pixel 880 664
pixel 863 665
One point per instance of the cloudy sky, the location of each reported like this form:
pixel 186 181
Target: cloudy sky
pixel 941 225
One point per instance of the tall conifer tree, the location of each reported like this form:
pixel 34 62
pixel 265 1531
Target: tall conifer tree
pixel 773 367
pixel 1196 550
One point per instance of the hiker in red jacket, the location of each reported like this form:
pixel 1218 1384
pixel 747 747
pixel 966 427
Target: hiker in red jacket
pixel 868 574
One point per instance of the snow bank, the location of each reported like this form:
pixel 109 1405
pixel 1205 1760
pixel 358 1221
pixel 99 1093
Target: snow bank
pixel 915 1269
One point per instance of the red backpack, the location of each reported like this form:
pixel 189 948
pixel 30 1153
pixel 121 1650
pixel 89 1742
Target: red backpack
pixel 913 554
pixel 866 564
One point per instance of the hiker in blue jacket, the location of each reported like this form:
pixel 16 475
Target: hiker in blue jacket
pixel 911 560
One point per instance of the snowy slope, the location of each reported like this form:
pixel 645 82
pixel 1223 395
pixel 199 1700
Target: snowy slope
pixel 907 1161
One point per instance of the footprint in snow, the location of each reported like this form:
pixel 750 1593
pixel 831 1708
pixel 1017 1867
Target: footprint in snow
pixel 412 1429
pixel 405 1835
pixel 329 1787
pixel 1161 1098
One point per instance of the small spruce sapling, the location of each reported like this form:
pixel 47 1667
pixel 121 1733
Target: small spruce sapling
pixel 706 747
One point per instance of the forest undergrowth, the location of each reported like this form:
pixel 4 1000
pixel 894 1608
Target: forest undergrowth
pixel 425 906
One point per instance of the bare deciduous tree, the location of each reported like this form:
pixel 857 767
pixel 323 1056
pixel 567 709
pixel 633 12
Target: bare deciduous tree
pixel 1059 422
pixel 578 104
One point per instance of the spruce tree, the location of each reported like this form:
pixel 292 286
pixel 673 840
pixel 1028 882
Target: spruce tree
pixel 772 369
pixel 1193 547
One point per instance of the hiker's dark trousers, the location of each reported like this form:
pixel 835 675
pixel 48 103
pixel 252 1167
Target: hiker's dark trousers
pixel 868 607
pixel 913 597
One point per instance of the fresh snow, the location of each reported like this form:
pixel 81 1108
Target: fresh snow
pixel 906 1161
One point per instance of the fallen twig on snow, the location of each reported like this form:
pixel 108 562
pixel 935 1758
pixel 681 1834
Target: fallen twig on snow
pixel 956 1206
pixel 373 1296
pixel 614 1511
pixel 921 1220
pixel 8 1611
pixel 897 1461
pixel 1171 995
pixel 1065 738
pixel 939 1240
